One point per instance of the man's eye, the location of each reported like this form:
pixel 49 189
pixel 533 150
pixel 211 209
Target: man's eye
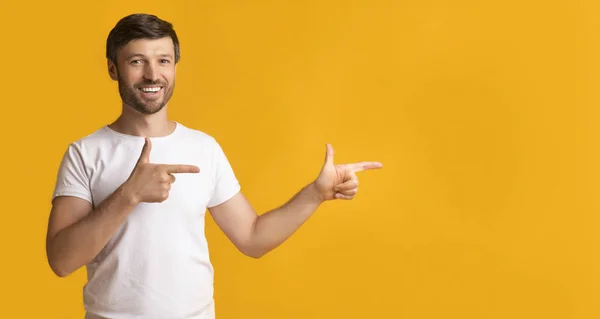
pixel 165 61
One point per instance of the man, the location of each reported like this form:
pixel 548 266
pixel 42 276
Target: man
pixel 130 198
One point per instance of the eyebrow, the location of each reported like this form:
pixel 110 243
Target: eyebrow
pixel 135 55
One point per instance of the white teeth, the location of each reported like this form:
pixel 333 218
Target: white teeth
pixel 152 89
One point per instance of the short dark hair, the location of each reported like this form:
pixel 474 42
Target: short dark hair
pixel 139 26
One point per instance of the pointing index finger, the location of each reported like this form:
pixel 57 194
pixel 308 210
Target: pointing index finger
pixel 361 166
pixel 177 169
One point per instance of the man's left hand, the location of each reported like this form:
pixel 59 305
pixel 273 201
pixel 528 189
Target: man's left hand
pixel 340 181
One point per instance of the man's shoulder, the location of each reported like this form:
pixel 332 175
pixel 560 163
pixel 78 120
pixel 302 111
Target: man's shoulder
pixel 94 137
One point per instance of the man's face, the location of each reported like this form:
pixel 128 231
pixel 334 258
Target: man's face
pixel 145 72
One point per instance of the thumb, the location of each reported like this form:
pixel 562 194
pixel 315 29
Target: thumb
pixel 329 155
pixel 145 155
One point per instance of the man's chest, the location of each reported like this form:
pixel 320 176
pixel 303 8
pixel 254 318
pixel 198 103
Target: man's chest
pixel 189 193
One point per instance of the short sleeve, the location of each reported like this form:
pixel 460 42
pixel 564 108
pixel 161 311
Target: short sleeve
pixel 72 179
pixel 226 184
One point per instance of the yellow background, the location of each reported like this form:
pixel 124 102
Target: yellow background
pixel 484 113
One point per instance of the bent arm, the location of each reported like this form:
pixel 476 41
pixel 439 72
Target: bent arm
pixel 76 233
pixel 256 235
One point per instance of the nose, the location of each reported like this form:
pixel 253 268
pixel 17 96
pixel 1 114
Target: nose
pixel 150 72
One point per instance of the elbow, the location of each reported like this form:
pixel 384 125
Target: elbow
pixel 57 267
pixel 62 273
pixel 255 255
pixel 58 264
pixel 59 270
pixel 253 252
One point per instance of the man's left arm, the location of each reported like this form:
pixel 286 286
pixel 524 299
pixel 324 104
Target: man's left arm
pixel 256 235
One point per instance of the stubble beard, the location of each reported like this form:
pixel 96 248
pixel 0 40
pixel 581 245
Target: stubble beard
pixel 131 96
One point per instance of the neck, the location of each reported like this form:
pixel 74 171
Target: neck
pixel 132 122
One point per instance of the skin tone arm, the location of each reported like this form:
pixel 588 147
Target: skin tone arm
pixel 77 233
pixel 256 235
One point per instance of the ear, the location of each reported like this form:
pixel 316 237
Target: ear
pixel 112 70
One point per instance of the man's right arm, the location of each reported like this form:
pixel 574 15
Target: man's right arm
pixel 76 233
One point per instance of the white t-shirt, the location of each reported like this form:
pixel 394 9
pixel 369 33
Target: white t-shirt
pixel 157 264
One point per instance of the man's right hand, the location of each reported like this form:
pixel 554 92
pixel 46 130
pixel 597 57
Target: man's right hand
pixel 150 182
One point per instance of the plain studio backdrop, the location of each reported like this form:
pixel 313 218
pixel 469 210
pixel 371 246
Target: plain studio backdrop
pixel 484 113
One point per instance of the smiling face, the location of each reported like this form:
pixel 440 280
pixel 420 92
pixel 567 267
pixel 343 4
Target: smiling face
pixel 145 72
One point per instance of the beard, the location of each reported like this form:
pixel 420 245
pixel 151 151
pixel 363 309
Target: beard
pixel 133 96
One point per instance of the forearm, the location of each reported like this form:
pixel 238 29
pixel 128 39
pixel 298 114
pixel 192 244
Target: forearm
pixel 274 227
pixel 77 244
